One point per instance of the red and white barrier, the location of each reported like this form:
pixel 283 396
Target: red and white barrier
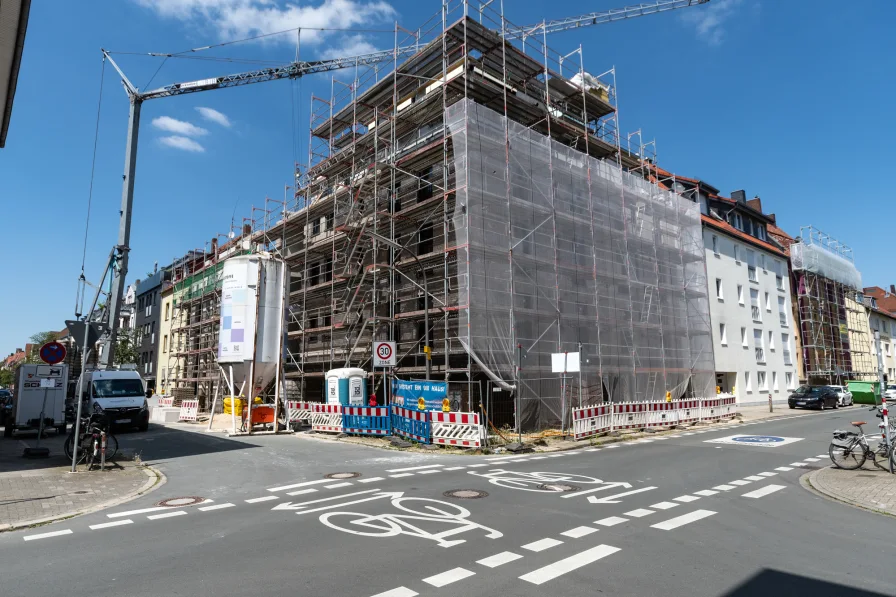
pixel 166 402
pixel 630 415
pixel 727 405
pixel 327 418
pixel 189 410
pixel 299 411
pixel 661 414
pixel 688 411
pixel 591 420
pixel 710 409
pixel 457 429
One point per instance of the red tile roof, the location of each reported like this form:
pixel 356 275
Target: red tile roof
pixel 729 229
pixel 886 301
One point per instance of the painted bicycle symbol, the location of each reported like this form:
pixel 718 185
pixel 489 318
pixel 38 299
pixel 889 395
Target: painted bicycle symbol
pixel 539 481
pixel 420 510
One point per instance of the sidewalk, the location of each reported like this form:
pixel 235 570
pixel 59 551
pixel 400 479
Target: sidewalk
pixel 35 491
pixel 868 487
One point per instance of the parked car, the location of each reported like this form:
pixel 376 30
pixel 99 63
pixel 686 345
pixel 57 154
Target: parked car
pixel 820 397
pixel 890 392
pixel 5 406
pixel 844 394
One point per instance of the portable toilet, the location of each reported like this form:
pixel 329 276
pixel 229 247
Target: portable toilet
pixel 347 386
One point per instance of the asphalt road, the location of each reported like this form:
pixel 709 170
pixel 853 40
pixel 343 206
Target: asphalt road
pixel 682 516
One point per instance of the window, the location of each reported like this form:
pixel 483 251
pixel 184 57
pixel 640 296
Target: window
pixel 738 221
pixel 719 289
pixel 771 340
pixel 740 294
pixel 754 305
pixel 762 262
pixel 167 310
pixel 315 226
pixel 165 343
pixel 761 381
pixel 768 303
pixel 751 266
pixel 758 346
pixel 775 381
pixel 788 380
pixel 785 349
pixel 723 334
pixel 747 384
pixel 743 337
pixel 760 232
pixel 779 282
pixel 737 254
pixel 887 348
pixel 715 245
pixel 782 313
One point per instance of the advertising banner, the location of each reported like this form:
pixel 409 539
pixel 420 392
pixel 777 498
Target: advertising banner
pixel 408 394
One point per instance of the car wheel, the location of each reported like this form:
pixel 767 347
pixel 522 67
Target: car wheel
pixel 7 430
pixel 791 407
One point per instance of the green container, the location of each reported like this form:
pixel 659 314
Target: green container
pixel 864 392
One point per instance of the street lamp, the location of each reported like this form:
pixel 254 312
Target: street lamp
pixel 391 243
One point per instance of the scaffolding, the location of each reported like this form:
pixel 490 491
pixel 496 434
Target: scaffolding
pixel 498 168
pixel 834 330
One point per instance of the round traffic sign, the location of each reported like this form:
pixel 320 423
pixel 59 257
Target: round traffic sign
pixel 52 353
pixel 758 439
pixel 384 351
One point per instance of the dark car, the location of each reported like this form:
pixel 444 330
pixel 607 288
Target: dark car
pixel 5 406
pixel 820 397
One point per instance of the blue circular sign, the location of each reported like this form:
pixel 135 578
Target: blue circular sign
pixel 52 353
pixel 758 439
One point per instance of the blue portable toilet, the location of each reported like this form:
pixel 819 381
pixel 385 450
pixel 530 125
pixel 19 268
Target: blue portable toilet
pixel 347 386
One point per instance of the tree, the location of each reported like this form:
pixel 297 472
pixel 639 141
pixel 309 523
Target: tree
pixel 38 340
pixel 127 347
pixel 7 378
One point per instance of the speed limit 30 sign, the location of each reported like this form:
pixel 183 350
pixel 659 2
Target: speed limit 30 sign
pixel 383 354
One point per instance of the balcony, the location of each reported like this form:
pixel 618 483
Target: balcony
pixel 757 313
pixel 751 273
pixel 760 355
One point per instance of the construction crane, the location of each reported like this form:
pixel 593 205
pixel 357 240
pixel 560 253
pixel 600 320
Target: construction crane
pixel 118 261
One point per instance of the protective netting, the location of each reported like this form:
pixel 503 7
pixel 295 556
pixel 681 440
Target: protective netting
pixel 819 260
pixel 558 250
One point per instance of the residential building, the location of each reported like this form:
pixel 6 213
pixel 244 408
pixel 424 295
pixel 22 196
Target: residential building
pixel 127 317
pixel 884 322
pixel 147 319
pixel 13 23
pixel 166 365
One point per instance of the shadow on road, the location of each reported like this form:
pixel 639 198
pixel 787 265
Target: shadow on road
pixel 774 583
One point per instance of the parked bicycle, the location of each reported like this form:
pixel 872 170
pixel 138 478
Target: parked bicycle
pixel 95 437
pixel 849 450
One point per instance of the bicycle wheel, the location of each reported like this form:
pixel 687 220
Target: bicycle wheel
pixel 892 459
pixel 881 458
pixel 111 447
pixel 67 449
pixel 383 526
pixel 433 509
pixel 849 457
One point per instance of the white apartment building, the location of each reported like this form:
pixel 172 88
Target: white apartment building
pixel 885 323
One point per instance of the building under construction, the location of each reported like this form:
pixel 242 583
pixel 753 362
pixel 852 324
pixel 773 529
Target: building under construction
pixel 482 187
pixel 834 330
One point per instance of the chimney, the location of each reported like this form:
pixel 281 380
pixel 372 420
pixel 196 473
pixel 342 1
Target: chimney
pixel 773 219
pixel 247 229
pixel 892 289
pixel 214 250
pixel 155 267
pixel 739 196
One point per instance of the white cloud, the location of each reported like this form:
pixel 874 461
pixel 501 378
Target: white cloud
pixel 214 116
pixel 710 19
pixel 179 127
pixel 184 143
pixel 350 45
pixel 238 19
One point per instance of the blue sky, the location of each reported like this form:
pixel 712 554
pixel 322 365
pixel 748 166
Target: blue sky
pixel 785 99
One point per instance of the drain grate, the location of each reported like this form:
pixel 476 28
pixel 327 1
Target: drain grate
pixel 342 475
pixel 466 494
pixel 557 487
pixel 179 502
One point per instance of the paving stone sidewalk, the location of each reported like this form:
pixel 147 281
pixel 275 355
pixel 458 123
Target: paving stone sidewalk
pixel 867 487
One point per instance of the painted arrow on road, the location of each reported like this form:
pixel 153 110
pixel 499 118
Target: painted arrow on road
pixel 302 505
pixel 613 499
pixel 612 485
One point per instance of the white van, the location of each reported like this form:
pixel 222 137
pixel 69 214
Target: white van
pixel 120 394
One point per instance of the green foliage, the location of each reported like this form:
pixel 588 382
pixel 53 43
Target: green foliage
pixel 38 340
pixel 7 378
pixel 127 346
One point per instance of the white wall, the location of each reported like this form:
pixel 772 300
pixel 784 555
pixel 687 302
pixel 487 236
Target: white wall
pixel 732 356
pixel 887 327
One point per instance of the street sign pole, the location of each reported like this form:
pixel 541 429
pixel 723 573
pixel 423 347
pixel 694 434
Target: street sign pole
pixel 88 333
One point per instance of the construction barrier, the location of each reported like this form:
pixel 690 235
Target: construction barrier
pixel 710 409
pixel 166 402
pixel 299 411
pixel 688 411
pixel 327 418
pixel 456 429
pixel 630 415
pixel 366 420
pixel 661 414
pixel 591 420
pixel 189 410
pixel 412 424
pixel 727 406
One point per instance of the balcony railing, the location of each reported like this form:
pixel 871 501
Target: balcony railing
pixel 757 313
pixel 751 273
pixel 760 355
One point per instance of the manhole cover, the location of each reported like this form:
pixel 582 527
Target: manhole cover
pixel 181 501
pixel 342 475
pixel 558 487
pixel 466 494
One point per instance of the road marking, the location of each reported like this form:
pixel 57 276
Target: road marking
pixel 593 450
pixel 555 455
pixel 639 513
pixel 811 459
pixel 46 535
pixel 216 507
pixel 613 446
pixel 326 499
pixel 399 592
pixel 611 521
pixel 302 491
pixel 689 433
pixel 400 475
pixel 539 457
pixel 797 464
pixel 724 487
pixel 262 499
pixel 129 512
pixel 370 480
pixel 659 439
pixel 764 491
pixel 167 515
pixel 664 505
pixel 686 499
pixel 413 468
pixel 337 485
pixel 578 532
pixel 499 559
pixel 753 478
pixel 706 492
pixel 739 482
pixel 644 441
pixel 767 474
pixel 823 456
pixel 784 469
pixel 106 525
pixel 456 468
pixel 471 466
pixel 305 484
pixel 429 472
pixel 542 544
pixel 674 523
pixel 446 578
pixel 561 567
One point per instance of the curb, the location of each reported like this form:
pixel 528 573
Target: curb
pixel 813 487
pixel 156 479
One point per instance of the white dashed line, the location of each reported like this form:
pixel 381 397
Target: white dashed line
pixel 106 525
pixel 429 472
pixel 457 468
pixel 47 535
pixel 216 507
pixel 262 499
pixel 797 464
pixel 555 455
pixel 303 484
pixel 674 523
pixel 664 505
pixel 739 482
pixel 338 485
pixel 689 433
pixel 499 559
pixel 611 521
pixel 302 491
pixel 542 544
pixel 639 513
pixel 399 592
pixel 705 492
pixel 753 478
pixel 539 458
pixel 446 578
pixel 767 474
pixel 593 450
pixel 686 499
pixel 764 491
pixel 811 459
pixel 129 512
pixel 370 480
pixel 471 466
pixel 823 456
pixel 167 515
pixel 561 567
pixel 724 487
pixel 578 532
pixel 784 469
pixel 413 468
pixel 400 475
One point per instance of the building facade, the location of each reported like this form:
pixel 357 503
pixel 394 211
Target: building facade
pixel 147 319
pixel 165 363
pixel 884 322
